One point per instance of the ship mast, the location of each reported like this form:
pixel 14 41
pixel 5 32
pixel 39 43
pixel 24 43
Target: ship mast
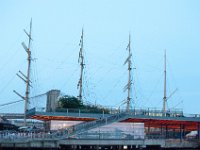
pixel 81 62
pixel 128 86
pixel 165 90
pixel 26 78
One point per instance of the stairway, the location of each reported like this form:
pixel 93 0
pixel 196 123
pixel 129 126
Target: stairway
pixel 85 126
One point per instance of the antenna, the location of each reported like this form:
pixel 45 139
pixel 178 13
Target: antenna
pixel 26 78
pixel 165 90
pixel 128 86
pixel 81 62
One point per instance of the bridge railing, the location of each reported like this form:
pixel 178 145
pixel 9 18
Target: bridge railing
pixel 113 111
pixel 156 112
pixel 93 135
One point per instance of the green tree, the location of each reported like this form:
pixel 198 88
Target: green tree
pixel 70 102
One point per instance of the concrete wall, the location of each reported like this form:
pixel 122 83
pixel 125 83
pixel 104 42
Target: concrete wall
pixel 52 100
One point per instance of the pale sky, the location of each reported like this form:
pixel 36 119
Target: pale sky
pixel 154 26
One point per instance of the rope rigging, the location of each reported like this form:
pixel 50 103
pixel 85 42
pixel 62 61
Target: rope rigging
pixel 13 102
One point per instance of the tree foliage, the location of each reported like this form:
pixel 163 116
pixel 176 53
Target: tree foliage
pixel 71 102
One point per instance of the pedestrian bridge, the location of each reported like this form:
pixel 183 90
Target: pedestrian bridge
pixel 174 121
pixel 172 124
pixel 167 131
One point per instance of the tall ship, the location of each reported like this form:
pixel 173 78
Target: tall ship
pixel 77 125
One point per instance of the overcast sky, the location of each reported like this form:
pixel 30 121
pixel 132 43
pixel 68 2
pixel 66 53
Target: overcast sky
pixel 154 26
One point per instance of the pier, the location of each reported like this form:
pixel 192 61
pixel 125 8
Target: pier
pixel 160 132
